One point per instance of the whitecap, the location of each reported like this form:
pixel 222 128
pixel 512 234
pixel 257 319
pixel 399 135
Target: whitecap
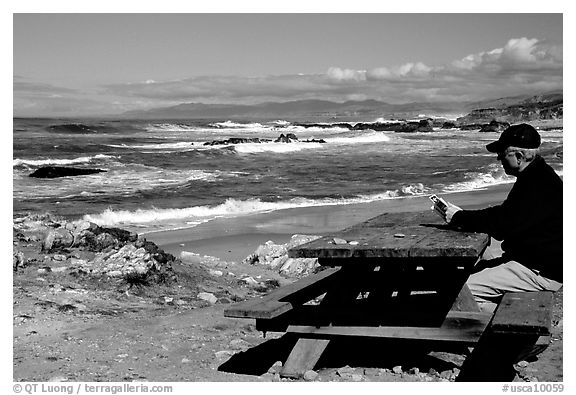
pixel 54 161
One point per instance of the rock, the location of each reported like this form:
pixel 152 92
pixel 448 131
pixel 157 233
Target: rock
pixel 310 375
pixel 276 368
pixel 345 372
pixel 357 377
pixel 78 262
pixel 216 273
pixel 286 138
pixel 422 126
pixel 57 239
pixel 210 298
pixel 224 354
pixel 58 171
pixel 105 240
pixel 250 281
pixel 58 379
pixel 59 257
pixel 446 374
pixel 523 364
pixel 236 140
pixel 397 369
pixel 239 344
pixel 276 257
pixel 298 267
pixel 495 127
pixel 414 371
pixel 18 260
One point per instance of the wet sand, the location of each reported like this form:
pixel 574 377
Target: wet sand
pixel 233 239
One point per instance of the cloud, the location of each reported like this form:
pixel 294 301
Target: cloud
pixel 21 86
pixel 518 55
pixel 345 75
pixel 520 66
pixel 416 70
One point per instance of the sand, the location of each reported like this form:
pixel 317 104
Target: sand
pixel 233 239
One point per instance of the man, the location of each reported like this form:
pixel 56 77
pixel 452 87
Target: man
pixel 528 222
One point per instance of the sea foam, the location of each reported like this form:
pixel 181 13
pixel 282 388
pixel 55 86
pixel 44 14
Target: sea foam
pixel 54 161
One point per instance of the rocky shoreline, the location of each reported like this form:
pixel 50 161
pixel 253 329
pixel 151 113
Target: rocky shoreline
pixel 79 287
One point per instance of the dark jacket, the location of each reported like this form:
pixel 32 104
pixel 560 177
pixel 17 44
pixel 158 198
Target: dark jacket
pixel 529 221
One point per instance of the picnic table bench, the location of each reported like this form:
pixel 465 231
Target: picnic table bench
pixel 400 276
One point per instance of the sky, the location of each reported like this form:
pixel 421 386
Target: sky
pixel 90 64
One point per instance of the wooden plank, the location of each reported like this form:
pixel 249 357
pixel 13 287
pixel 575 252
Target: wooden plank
pixel 457 327
pixel 494 356
pixel 282 300
pixel 465 301
pixel 524 312
pixel 303 357
pixel 519 323
pixel 389 220
pixel 449 243
pixel 424 235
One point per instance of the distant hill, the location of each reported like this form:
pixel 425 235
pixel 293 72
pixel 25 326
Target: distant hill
pixel 517 109
pixel 318 110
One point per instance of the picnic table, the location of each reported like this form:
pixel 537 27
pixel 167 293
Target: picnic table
pixel 399 276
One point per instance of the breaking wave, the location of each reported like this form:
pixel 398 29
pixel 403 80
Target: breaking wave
pixel 53 161
pixel 233 207
pixel 235 125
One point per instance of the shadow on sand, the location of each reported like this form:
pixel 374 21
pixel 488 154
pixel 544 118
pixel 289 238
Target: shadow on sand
pixel 357 352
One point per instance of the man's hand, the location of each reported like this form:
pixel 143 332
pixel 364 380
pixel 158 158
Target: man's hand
pixel 449 213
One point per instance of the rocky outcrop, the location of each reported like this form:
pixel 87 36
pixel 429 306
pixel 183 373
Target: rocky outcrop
pixel 288 138
pixel 423 126
pixel 237 140
pixel 275 256
pixel 87 248
pixel 494 127
pixel 402 126
pixel 534 108
pixel 59 171
pixel 283 138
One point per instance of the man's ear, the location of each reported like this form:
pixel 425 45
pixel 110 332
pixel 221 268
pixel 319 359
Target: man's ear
pixel 519 155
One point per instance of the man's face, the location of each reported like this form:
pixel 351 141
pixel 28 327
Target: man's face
pixel 510 162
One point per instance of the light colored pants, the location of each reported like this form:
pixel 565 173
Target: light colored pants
pixel 494 275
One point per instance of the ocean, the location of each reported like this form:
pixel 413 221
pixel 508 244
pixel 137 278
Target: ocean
pixel 160 175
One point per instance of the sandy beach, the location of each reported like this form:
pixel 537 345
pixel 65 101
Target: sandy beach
pixel 233 239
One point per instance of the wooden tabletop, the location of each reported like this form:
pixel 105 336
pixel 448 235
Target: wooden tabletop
pixel 396 235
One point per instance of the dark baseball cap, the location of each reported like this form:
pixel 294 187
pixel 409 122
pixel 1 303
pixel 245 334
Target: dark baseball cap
pixel 521 136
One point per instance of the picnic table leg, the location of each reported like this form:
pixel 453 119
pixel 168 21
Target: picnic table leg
pixel 303 357
pixel 308 351
pixel 465 301
pixel 494 357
